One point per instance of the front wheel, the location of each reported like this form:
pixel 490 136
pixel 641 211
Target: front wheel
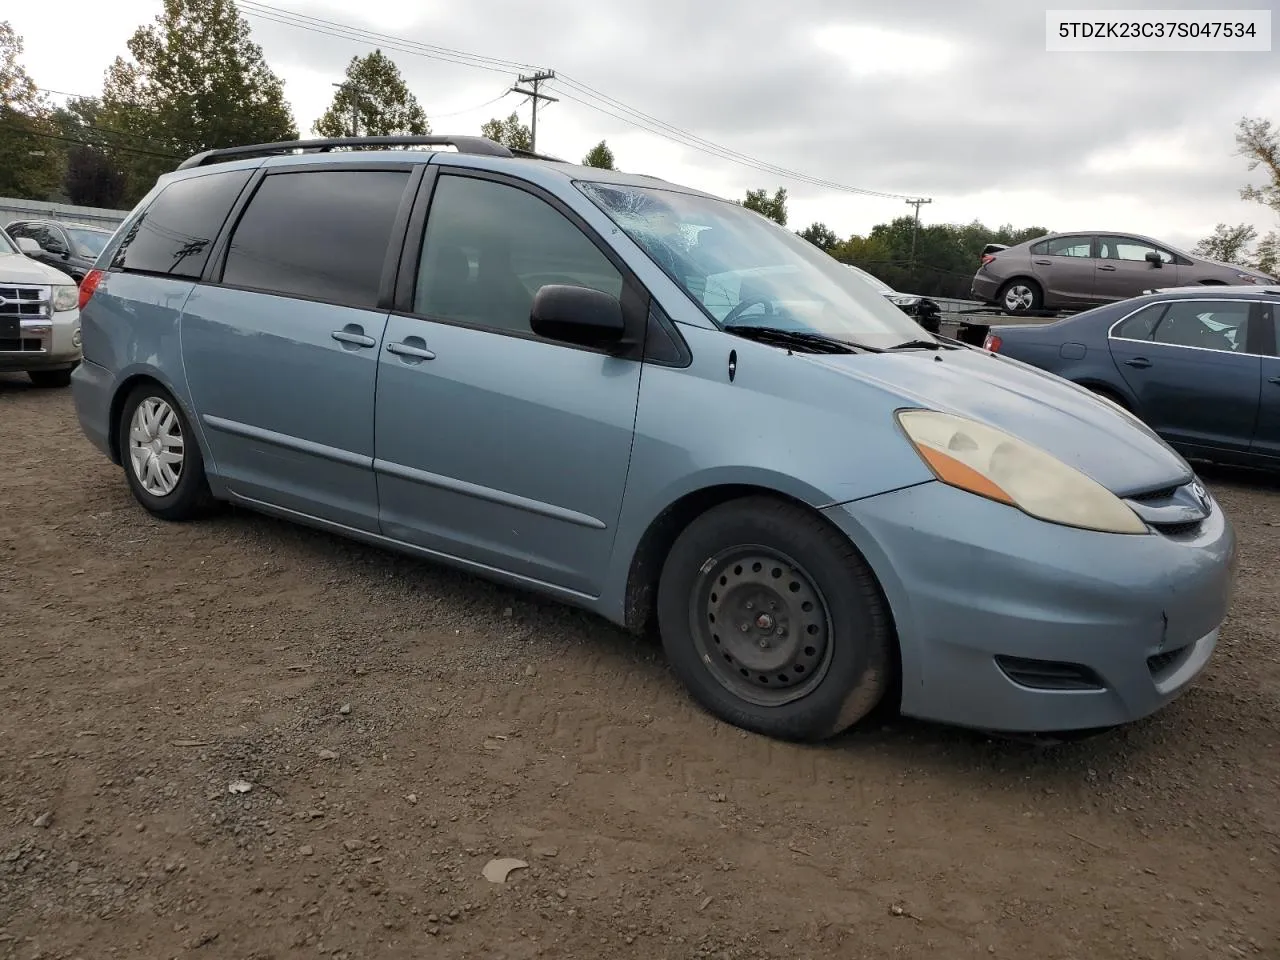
pixel 774 621
pixel 161 458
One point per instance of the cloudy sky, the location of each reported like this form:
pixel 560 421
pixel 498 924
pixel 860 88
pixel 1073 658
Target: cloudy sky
pixel 958 102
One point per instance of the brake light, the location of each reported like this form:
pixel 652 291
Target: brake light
pixel 992 343
pixel 88 285
pixel 987 258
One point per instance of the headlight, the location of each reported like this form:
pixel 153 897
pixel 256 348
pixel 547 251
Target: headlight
pixel 903 299
pixel 990 463
pixel 65 297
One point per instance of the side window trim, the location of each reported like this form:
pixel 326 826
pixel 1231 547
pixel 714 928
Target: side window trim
pixel 636 299
pixel 216 265
pixel 1160 306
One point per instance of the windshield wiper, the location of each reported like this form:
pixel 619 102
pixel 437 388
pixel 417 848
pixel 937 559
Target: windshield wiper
pixel 917 345
pixel 779 336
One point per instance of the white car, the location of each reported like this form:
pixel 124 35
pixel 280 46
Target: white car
pixel 39 317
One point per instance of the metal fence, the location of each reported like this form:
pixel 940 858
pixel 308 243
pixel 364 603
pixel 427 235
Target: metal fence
pixel 11 210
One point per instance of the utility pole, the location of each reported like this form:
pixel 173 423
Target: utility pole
pixel 534 80
pixel 916 229
pixel 355 104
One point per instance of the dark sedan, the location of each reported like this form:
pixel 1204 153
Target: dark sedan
pixel 1198 365
pixel 70 247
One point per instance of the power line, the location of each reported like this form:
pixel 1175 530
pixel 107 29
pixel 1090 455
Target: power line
pixel 611 106
pixel 481 106
pixel 90 143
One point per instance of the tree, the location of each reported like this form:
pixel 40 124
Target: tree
pixel 510 132
pixel 599 156
pixel 820 235
pixel 93 179
pixel 376 97
pixel 1228 244
pixel 30 154
pixel 775 207
pixel 1259 142
pixel 194 81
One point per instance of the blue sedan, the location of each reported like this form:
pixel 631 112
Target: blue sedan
pixel 1198 365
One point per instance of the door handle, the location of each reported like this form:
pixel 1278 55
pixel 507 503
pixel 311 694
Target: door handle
pixel 1044 263
pixel 1273 380
pixel 353 338
pixel 1140 362
pixel 1109 269
pixel 405 349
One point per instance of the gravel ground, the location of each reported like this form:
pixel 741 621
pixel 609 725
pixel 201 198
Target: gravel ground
pixel 396 726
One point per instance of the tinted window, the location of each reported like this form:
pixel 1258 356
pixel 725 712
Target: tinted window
pixel 489 247
pixel 320 234
pixel 174 234
pixel 1141 324
pixel 17 230
pixel 1128 249
pixel 1067 247
pixel 1210 325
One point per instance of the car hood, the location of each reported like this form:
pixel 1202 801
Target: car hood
pixel 19 268
pixel 1060 418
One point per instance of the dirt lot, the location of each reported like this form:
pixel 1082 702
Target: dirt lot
pixel 400 726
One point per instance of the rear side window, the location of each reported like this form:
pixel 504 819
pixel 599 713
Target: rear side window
pixel 1065 247
pixel 1141 325
pixel 174 234
pixel 318 235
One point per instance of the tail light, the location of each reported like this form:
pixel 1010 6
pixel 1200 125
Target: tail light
pixel 992 343
pixel 88 285
pixel 987 258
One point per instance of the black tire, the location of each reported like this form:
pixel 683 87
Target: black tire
pixel 189 498
pixel 1030 300
pixel 50 378
pixel 843 681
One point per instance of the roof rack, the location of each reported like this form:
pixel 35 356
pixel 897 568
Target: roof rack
pixel 475 145
pixel 530 155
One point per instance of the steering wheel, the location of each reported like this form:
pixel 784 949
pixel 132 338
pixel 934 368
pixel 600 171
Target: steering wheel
pixel 743 306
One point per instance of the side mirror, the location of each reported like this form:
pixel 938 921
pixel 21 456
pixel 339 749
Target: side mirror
pixel 578 315
pixel 29 246
pixel 1154 259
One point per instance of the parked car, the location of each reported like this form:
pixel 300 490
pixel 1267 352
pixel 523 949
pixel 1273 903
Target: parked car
pixel 1066 270
pixel 924 311
pixel 1198 364
pixel 659 406
pixel 39 317
pixel 69 247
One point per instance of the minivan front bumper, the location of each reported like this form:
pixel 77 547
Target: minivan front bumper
pixel 1008 623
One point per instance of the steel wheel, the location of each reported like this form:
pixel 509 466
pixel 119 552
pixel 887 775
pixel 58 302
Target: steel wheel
pixel 156 447
pixel 761 626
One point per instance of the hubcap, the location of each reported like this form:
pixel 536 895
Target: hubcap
pixel 761 626
pixel 156 447
pixel 1019 297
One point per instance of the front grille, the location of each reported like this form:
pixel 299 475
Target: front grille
pixel 25 303
pixel 1164 493
pixel 1179 529
pixel 1163 664
pixel 1049 674
pixel 25 345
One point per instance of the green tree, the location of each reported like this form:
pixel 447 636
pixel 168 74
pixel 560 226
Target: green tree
pixel 510 132
pixel 775 207
pixel 194 81
pixel 1228 244
pixel 377 99
pixel 30 154
pixel 820 235
pixel 599 156
pixel 1258 142
pixel 93 179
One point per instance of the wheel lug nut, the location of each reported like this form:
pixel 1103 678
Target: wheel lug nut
pixel 764 644
pixel 745 627
pixel 750 606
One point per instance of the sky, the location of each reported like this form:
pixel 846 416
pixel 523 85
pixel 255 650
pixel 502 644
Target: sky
pixel 956 102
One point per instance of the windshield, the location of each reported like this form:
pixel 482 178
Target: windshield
pixel 90 241
pixel 745 270
pixel 874 281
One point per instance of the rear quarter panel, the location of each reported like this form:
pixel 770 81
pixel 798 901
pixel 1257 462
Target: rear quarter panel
pixel 131 327
pixel 1075 349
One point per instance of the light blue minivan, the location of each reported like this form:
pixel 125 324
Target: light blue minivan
pixel 662 407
